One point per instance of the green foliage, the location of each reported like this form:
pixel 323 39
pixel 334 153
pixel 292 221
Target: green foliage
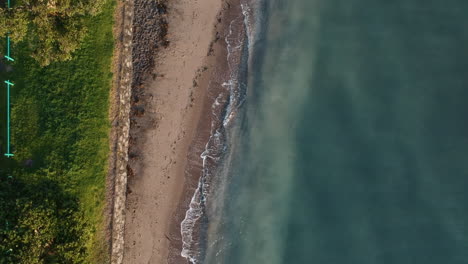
pixel 39 223
pixel 53 29
pixel 60 131
pixel 26 115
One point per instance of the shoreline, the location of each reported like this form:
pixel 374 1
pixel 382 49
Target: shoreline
pixel 223 99
pixel 167 112
pixel 194 167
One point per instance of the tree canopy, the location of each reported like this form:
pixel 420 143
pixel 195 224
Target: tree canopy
pixel 39 223
pixel 52 29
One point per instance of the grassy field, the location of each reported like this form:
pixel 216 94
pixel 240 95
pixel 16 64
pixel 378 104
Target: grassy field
pixel 60 134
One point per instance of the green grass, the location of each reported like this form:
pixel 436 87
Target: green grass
pixel 60 122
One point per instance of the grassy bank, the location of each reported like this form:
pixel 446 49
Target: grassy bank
pixel 60 132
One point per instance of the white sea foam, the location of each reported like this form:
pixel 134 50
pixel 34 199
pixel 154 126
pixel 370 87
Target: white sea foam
pixel 191 216
pixel 216 144
pixel 215 147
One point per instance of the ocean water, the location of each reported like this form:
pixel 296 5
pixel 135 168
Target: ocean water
pixel 351 146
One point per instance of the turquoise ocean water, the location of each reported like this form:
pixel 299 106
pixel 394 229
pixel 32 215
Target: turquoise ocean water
pixel 351 146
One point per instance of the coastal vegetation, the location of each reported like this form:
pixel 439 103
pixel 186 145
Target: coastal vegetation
pixel 52 191
pixel 53 29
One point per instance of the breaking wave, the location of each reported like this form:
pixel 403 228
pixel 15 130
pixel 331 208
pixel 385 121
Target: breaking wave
pixel 238 41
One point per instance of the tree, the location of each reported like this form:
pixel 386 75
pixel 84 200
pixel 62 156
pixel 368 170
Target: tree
pixel 39 223
pixel 53 29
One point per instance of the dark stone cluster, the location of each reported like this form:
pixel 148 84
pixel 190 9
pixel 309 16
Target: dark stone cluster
pixel 149 34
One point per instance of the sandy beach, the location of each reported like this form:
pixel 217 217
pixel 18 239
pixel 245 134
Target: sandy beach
pixel 165 118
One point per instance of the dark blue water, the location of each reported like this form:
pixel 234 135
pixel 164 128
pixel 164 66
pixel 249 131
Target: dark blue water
pixel 352 145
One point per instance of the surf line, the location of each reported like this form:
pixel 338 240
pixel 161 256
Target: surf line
pixel 8 83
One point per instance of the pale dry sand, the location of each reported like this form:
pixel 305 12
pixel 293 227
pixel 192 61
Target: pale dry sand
pixel 175 104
